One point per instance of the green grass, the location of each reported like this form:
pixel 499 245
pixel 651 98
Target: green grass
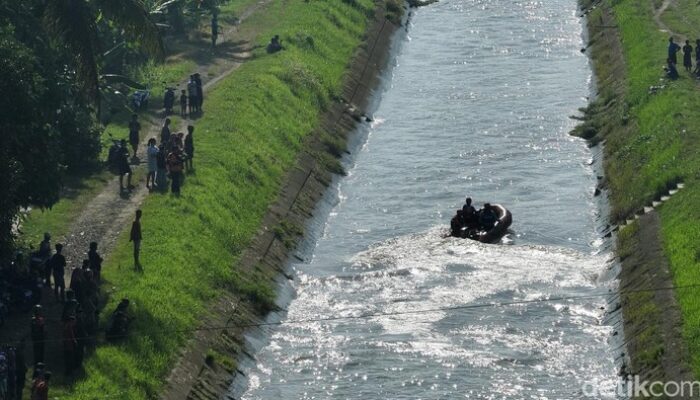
pixel 255 123
pixel 682 17
pixel 655 146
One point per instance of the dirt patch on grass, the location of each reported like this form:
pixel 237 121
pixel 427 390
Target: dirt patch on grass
pixel 200 372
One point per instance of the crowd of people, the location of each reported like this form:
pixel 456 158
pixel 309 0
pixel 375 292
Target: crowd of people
pixel 167 160
pixel 36 279
pixel 192 99
pixel 672 59
pixel 472 220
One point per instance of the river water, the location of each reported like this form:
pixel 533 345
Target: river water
pixel 477 103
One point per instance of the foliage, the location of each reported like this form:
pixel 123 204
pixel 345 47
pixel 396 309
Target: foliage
pixel 74 25
pixel 46 126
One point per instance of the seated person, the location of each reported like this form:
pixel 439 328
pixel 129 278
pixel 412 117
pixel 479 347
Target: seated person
pixel 274 45
pixel 456 224
pixel 468 208
pixel 487 217
pixel 118 325
pixel 671 71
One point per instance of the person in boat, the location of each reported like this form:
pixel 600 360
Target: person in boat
pixel 468 206
pixel 469 217
pixel 456 223
pixel 487 217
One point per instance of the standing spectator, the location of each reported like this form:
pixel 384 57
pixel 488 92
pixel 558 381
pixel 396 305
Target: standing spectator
pixel 45 255
pixel 70 307
pixel 134 129
pixel 192 95
pixel 165 131
pixel 135 237
pixel 40 386
pixel 58 269
pixel 673 48
pixel 161 168
pixel 214 29
pixel 95 261
pixel 189 147
pixel 175 164
pixel 38 333
pixel 200 91
pixel 20 371
pixel 89 304
pixel 183 103
pixel 688 56
pixel 124 167
pixel 76 280
pixel 152 154
pixel 70 344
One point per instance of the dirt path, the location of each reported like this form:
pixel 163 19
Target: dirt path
pixel 657 17
pixel 111 211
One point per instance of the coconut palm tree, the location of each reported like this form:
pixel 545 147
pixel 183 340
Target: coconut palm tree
pixel 74 24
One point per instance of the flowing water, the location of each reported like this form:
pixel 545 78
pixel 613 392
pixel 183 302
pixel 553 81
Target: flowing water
pixel 477 103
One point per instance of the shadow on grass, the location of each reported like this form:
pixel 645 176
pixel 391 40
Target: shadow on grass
pixel 227 50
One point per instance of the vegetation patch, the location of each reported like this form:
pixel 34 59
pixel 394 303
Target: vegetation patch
pixel 652 142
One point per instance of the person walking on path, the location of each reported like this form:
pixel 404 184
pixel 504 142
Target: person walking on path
pixel 58 268
pixel 124 167
pixel 152 153
pixel 134 129
pixel 38 334
pixel 135 236
pixel 688 56
pixel 214 29
pixel 200 91
pixel 165 131
pixel 673 48
pixel 175 165
pixel 189 148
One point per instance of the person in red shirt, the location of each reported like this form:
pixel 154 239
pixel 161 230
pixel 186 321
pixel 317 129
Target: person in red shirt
pixel 70 344
pixel 135 237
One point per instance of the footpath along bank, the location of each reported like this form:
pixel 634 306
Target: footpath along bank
pixel 651 133
pixel 266 148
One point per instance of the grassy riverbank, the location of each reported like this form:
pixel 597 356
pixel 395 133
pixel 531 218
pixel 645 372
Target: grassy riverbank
pixel 180 63
pixel 254 125
pixel 652 143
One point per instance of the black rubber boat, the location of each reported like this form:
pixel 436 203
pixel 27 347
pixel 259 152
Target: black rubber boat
pixel 505 218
